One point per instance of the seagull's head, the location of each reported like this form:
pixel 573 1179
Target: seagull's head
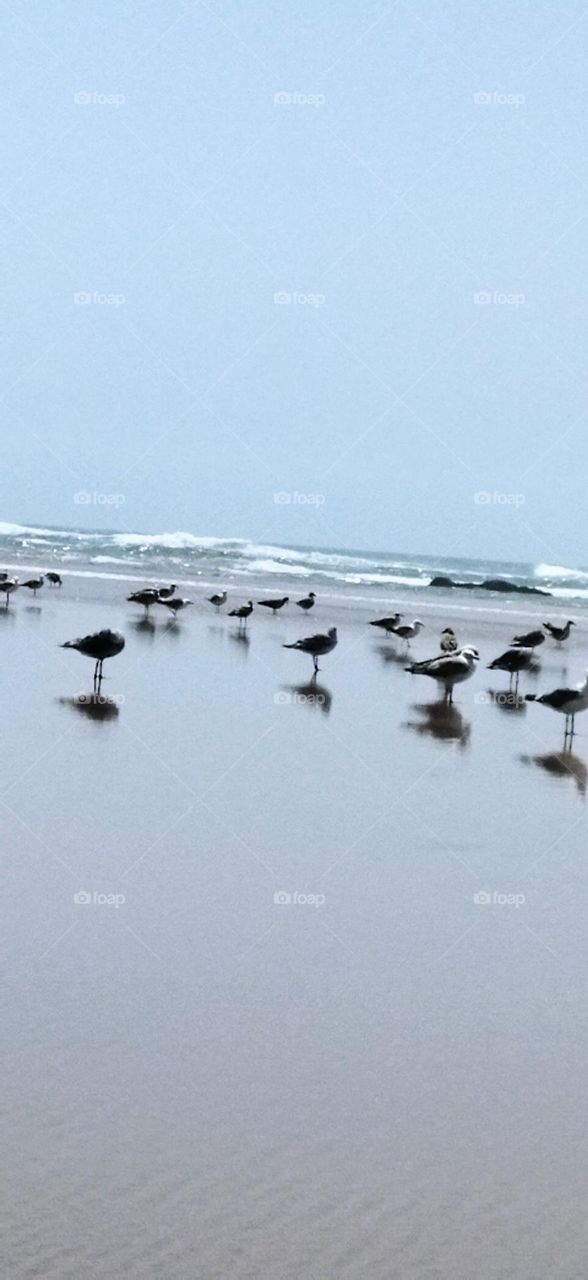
pixel 470 652
pixel 333 633
pixel 448 631
pixel 417 623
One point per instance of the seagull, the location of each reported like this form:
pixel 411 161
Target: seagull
pixel 308 602
pixel 449 670
pixel 176 604
pixel 147 597
pixel 449 641
pixel 409 631
pixel 514 661
pixel 100 645
pixel 567 701
pixel 387 624
pixel 34 584
pixel 218 601
pixel 242 613
pixel 54 579
pixel 274 605
pixel 316 646
pixel 8 587
pixel 559 633
pixel 529 641
pixel 166 593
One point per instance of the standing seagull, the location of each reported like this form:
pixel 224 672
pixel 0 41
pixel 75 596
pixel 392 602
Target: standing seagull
pixel 567 701
pixel 308 602
pixel 449 670
pixel 316 646
pixel 387 624
pixel 409 631
pixel 218 601
pixel 54 579
pixel 243 613
pixel 34 584
pixel 449 641
pixel 8 586
pixel 274 605
pixel 166 593
pixel 147 597
pixel 514 661
pixel 176 604
pixel 531 640
pixel 100 645
pixel 559 633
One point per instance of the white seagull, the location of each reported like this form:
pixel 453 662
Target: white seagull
pixel 567 701
pixel 316 646
pixel 449 670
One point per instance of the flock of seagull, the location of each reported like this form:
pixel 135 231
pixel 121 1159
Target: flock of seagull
pixel 451 666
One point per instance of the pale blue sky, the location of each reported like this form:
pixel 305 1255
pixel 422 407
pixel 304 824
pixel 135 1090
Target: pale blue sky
pixel 383 190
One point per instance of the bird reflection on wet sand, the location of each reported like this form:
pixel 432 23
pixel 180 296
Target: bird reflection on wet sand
pixel 561 764
pixel 308 695
pixel 241 637
pixel 144 626
pixel 96 706
pixel 443 720
pixel 388 654
pixel 507 699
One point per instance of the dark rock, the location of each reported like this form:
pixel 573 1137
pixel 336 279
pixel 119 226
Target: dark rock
pixel 490 584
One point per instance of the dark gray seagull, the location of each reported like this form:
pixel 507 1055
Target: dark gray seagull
pixel 387 624
pixel 8 586
pixel 569 702
pixel 307 602
pixel 99 646
pixel 166 593
pixel 147 597
pixel 33 584
pixel 530 640
pixel 274 605
pixel 513 661
pixel 449 670
pixel 449 641
pixel 54 579
pixel 218 601
pixel 559 633
pixel 242 613
pixel 316 646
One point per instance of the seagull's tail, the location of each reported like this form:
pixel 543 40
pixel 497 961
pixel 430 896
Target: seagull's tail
pixel 291 646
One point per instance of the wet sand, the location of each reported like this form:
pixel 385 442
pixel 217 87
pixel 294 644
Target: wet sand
pixel 376 1074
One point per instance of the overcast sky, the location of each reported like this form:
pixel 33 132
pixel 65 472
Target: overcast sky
pixel 410 179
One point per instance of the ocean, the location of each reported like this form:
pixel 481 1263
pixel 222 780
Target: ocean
pixel 189 558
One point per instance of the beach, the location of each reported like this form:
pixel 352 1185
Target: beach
pixel 294 973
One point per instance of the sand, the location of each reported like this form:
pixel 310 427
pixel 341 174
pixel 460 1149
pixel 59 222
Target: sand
pixel 376 1074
